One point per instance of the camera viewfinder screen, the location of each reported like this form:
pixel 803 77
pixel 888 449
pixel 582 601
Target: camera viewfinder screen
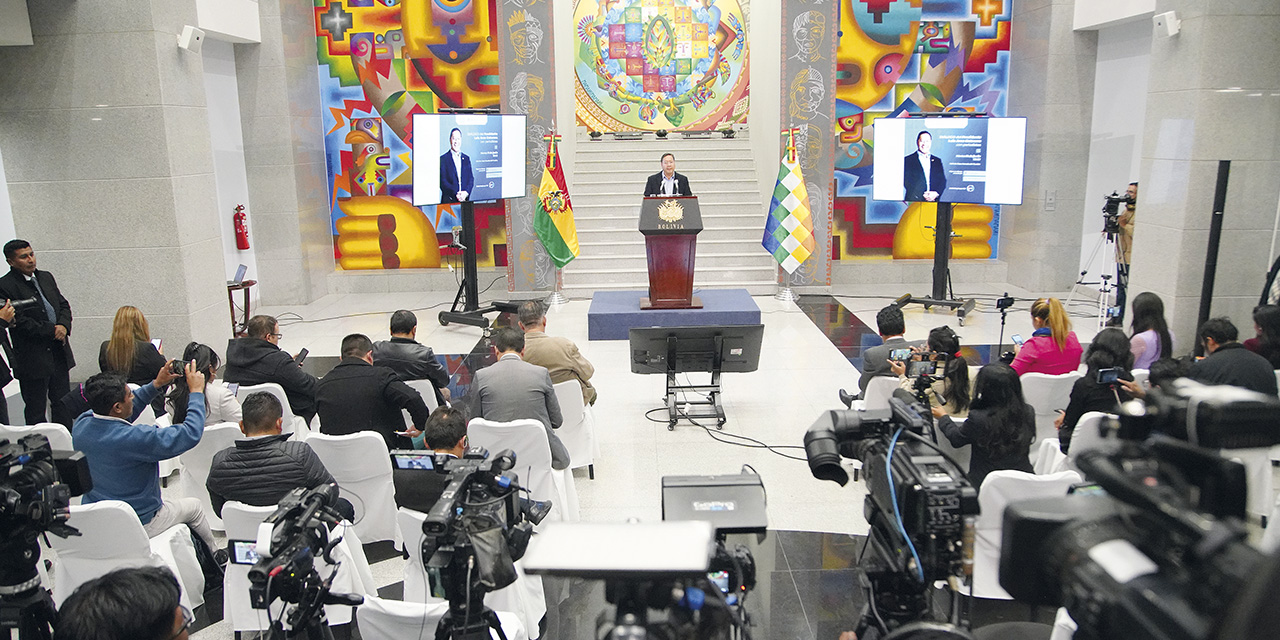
pixel 414 461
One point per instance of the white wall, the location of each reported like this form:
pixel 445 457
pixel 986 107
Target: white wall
pixel 1096 14
pixel 227 141
pixel 765 119
pixel 1119 114
pixel 6 209
pixel 230 20
pixel 15 24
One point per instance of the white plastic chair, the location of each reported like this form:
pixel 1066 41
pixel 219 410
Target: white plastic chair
pixel 1087 435
pixel 113 538
pixel 381 619
pixel 1064 627
pixel 878 392
pixel 1049 458
pixel 292 423
pixel 197 461
pixel 148 415
pixel 962 455
pixel 998 490
pixel 59 437
pixel 361 465
pixel 1140 376
pixel 525 597
pixel 528 439
pixel 169 465
pixel 578 431
pixel 1259 479
pixel 353 574
pixel 428 393
pixel 1046 394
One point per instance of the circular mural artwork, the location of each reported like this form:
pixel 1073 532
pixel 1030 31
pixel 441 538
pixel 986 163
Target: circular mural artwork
pixel 645 65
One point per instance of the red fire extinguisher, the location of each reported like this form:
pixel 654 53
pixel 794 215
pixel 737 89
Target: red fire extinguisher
pixel 242 230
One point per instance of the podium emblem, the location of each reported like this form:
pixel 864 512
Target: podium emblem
pixel 671 211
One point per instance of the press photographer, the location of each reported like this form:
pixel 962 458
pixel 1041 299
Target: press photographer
pixel 1106 383
pixel 940 370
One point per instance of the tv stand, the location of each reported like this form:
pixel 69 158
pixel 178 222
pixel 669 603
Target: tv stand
pixel 940 296
pixel 709 407
pixel 466 307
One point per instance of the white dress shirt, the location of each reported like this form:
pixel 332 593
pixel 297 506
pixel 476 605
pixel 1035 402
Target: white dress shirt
pixel 924 162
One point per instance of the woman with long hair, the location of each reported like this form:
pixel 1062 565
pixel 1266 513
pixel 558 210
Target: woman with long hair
pixel 221 404
pixel 129 351
pixel 1000 427
pixel 1266 322
pixel 950 389
pixel 1151 339
pixel 1053 347
pixel 1109 350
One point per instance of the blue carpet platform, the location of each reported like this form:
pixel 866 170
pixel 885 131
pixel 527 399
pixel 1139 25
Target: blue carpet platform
pixel 614 313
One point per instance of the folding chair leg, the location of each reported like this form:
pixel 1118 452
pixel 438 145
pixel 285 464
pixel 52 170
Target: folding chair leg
pixel 591 471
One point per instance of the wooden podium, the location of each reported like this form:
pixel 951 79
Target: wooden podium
pixel 670 225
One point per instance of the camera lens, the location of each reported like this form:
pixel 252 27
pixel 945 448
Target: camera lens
pixel 824 457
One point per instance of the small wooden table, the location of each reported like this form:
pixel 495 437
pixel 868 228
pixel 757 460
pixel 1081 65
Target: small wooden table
pixel 238 326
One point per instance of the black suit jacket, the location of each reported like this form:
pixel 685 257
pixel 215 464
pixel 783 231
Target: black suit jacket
pixel 449 186
pixel 913 178
pixel 653 187
pixel 34 348
pixel 357 396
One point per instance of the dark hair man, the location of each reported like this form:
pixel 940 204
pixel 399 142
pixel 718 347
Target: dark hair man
pixel 667 182
pixel 124 458
pixel 456 181
pixel 266 465
pixel 875 361
pixel 512 389
pixel 258 359
pixel 42 358
pixel 357 396
pixel 923 176
pixel 410 359
pixel 140 603
pixel 445 433
pixel 558 355
pixel 1228 362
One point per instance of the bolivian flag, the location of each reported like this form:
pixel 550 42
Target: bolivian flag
pixel 553 219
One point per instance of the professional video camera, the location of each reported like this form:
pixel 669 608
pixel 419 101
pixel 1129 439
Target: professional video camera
pixel 920 506
pixel 34 500
pixel 472 538
pixel 1111 212
pixel 1163 553
pixel 286 566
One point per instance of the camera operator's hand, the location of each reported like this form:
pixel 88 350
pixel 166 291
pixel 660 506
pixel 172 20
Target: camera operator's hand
pixel 166 375
pixel 1057 422
pixel 1135 389
pixel 898 367
pixel 195 378
pixel 7 312
pixel 937 411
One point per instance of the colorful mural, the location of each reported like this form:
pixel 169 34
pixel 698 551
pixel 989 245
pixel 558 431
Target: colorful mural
pixel 381 61
pixel 912 56
pixel 645 65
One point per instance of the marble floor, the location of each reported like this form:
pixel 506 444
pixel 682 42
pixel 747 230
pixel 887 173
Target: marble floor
pixel 811 350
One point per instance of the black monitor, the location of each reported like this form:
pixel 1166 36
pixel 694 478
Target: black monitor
pixel 728 348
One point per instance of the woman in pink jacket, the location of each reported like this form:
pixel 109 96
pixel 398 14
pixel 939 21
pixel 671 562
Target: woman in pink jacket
pixel 1053 347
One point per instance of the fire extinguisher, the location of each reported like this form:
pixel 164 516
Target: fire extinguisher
pixel 242 230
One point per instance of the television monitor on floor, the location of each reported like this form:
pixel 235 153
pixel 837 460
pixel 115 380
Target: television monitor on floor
pixel 684 349
pixel 468 156
pixel 974 160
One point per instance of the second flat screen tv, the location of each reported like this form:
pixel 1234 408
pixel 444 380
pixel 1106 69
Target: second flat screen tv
pixel 949 159
pixel 467 157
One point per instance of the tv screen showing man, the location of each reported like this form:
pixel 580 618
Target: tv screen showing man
pixel 923 175
pixel 456 179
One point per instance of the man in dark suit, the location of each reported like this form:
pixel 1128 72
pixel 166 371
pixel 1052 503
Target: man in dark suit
pixel 42 358
pixel 1228 362
pixel 410 359
pixel 667 182
pixel 357 396
pixel 445 434
pixel 512 389
pixel 919 187
pixel 456 181
pixel 258 359
pixel 875 361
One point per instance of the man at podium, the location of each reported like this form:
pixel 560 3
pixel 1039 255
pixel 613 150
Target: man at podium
pixel 667 182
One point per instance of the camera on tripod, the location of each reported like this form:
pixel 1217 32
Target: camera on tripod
pixel 1161 551
pixel 1111 211
pixel 919 504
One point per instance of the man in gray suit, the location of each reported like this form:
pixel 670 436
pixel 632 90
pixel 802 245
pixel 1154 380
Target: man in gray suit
pixel 875 361
pixel 512 389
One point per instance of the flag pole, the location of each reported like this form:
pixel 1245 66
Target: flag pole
pixel 786 293
pixel 557 296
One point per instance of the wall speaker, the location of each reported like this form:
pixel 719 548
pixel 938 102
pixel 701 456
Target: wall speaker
pixel 191 39
pixel 1167 24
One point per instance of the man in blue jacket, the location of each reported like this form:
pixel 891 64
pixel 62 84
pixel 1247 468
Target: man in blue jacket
pixel 124 457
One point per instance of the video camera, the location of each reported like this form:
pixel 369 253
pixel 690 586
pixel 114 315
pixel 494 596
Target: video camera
pixel 472 537
pixel 288 542
pixel 1164 553
pixel 920 505
pixel 1111 211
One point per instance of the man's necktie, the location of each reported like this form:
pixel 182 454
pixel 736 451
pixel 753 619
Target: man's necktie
pixel 48 308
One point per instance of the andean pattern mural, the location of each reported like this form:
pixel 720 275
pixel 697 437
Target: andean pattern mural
pixel 914 56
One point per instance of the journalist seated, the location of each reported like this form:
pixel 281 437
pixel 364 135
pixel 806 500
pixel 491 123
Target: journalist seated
pixel 124 458
pixel 140 603
pixel 266 465
pixel 410 359
pixel 358 396
pixel 1000 426
pixel 949 387
pixel 1108 354
pixel 446 434
pixel 1228 362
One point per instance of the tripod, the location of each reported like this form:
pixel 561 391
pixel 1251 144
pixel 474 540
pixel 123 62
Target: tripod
pixel 24 604
pixel 1111 257
pixel 462 621
pixel 466 307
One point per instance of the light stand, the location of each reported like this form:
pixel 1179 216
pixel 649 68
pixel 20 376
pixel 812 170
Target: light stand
pixel 941 271
pixel 466 307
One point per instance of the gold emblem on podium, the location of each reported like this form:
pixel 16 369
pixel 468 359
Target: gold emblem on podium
pixel 671 211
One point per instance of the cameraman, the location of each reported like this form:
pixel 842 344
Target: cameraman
pixel 948 388
pixel 1124 247
pixel 127 604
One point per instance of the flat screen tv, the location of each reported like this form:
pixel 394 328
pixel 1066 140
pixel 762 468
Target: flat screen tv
pixel 467 157
pixel 949 159
pixel 685 349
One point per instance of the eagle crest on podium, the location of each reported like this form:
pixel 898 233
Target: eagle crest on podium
pixel 671 211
